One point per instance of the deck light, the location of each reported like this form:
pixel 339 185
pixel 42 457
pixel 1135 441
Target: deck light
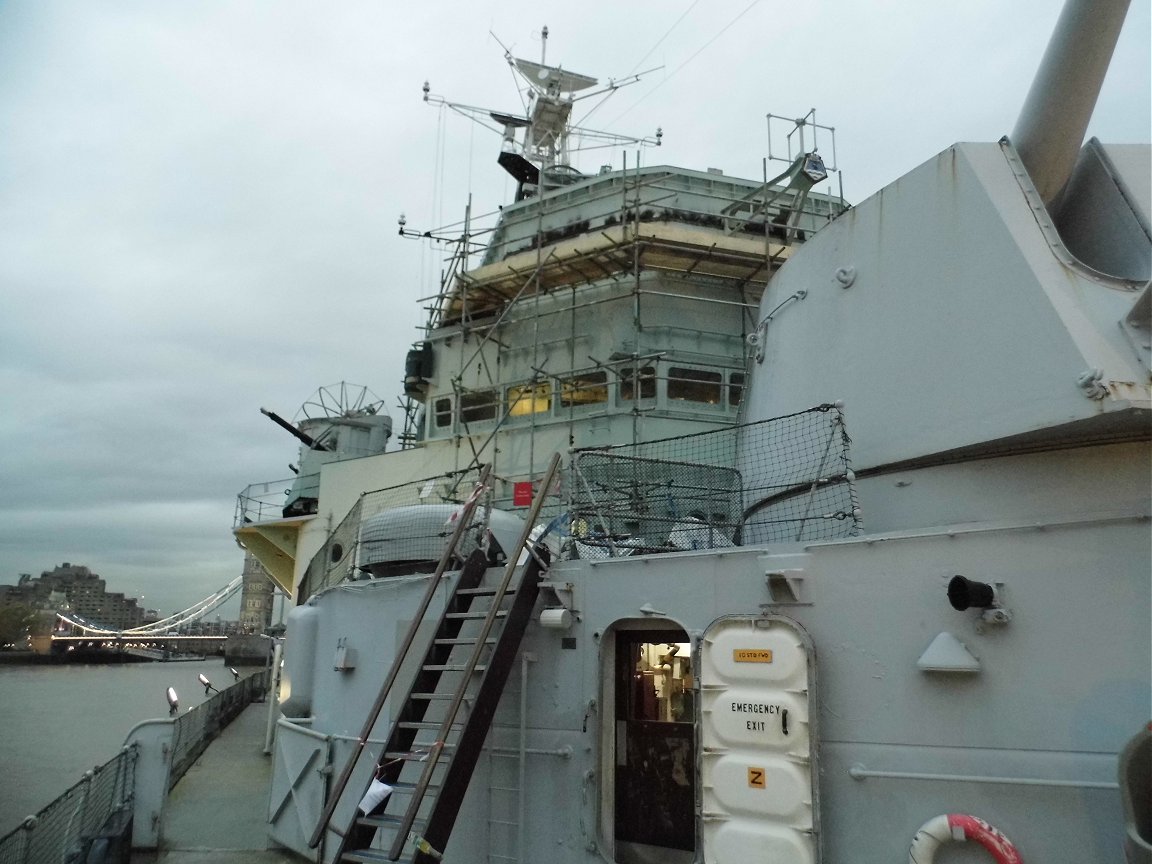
pixel 208 688
pixel 173 702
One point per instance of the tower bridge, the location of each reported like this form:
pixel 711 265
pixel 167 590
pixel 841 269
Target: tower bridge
pixel 156 647
pixel 159 640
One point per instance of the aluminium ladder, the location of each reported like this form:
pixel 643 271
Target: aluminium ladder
pixel 467 663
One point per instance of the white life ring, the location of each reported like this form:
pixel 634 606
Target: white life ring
pixel 957 826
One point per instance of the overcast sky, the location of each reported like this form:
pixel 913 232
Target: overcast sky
pixel 198 206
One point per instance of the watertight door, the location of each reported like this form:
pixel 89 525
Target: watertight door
pixel 655 747
pixel 757 769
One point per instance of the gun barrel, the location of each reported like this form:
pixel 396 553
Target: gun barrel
pixel 1055 116
pixel 284 424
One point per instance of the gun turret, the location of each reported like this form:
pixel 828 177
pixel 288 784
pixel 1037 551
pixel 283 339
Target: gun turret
pixel 1055 115
pixel 284 424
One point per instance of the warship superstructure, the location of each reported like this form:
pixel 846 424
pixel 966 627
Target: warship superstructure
pixel 730 524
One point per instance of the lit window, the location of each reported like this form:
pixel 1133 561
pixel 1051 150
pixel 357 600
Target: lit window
pixel 587 389
pixel 529 399
pixel 478 406
pixel 694 385
pixel 637 383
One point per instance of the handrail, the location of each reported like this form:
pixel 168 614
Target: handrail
pixel 859 772
pixel 374 713
pixel 82 812
pixel 485 629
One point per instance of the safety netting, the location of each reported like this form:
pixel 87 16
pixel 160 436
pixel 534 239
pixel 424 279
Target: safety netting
pixel 783 479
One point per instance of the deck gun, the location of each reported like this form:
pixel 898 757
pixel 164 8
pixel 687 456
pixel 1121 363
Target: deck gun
pixel 304 437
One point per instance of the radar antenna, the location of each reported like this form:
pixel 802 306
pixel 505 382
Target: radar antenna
pixel 535 146
pixel 340 400
pixel 788 191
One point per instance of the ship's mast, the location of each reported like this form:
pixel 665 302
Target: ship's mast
pixel 535 144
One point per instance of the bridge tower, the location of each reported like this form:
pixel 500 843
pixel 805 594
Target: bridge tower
pixel 257 597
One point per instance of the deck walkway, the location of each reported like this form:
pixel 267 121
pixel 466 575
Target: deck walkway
pixel 217 813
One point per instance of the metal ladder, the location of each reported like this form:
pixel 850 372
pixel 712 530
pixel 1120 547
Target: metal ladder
pixel 432 776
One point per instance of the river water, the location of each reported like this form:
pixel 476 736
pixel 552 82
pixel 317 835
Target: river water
pixel 58 721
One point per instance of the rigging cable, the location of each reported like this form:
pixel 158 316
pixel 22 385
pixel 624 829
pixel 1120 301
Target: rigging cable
pixel 667 33
pixel 639 62
pixel 698 52
pixel 512 71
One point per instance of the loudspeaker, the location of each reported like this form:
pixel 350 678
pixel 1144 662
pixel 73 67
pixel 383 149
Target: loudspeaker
pixel 965 593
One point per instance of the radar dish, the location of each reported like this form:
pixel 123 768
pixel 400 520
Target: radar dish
pixel 509 119
pixel 340 400
pixel 550 77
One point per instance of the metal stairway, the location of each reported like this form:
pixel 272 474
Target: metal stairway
pixel 439 729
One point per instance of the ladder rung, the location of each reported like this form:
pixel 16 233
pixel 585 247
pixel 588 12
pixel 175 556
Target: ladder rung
pixel 428 697
pixel 418 755
pixel 453 667
pixel 433 726
pixel 383 820
pixel 386 820
pixel 463 641
pixel 477 592
pixel 367 856
pixel 474 616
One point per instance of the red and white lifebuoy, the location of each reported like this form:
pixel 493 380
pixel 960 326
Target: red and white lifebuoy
pixel 957 826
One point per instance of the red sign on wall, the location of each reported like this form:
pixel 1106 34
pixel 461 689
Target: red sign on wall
pixel 522 493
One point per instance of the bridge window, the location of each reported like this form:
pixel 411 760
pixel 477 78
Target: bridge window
pixel 530 399
pixel 694 385
pixel 478 406
pixel 588 389
pixel 442 413
pixel 637 383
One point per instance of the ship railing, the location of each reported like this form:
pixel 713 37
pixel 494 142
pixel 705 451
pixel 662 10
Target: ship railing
pixel 782 479
pixel 264 502
pixel 168 747
pixel 96 808
pixel 194 730
pixel 660 194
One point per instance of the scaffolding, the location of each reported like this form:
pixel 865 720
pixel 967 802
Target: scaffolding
pixel 650 246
